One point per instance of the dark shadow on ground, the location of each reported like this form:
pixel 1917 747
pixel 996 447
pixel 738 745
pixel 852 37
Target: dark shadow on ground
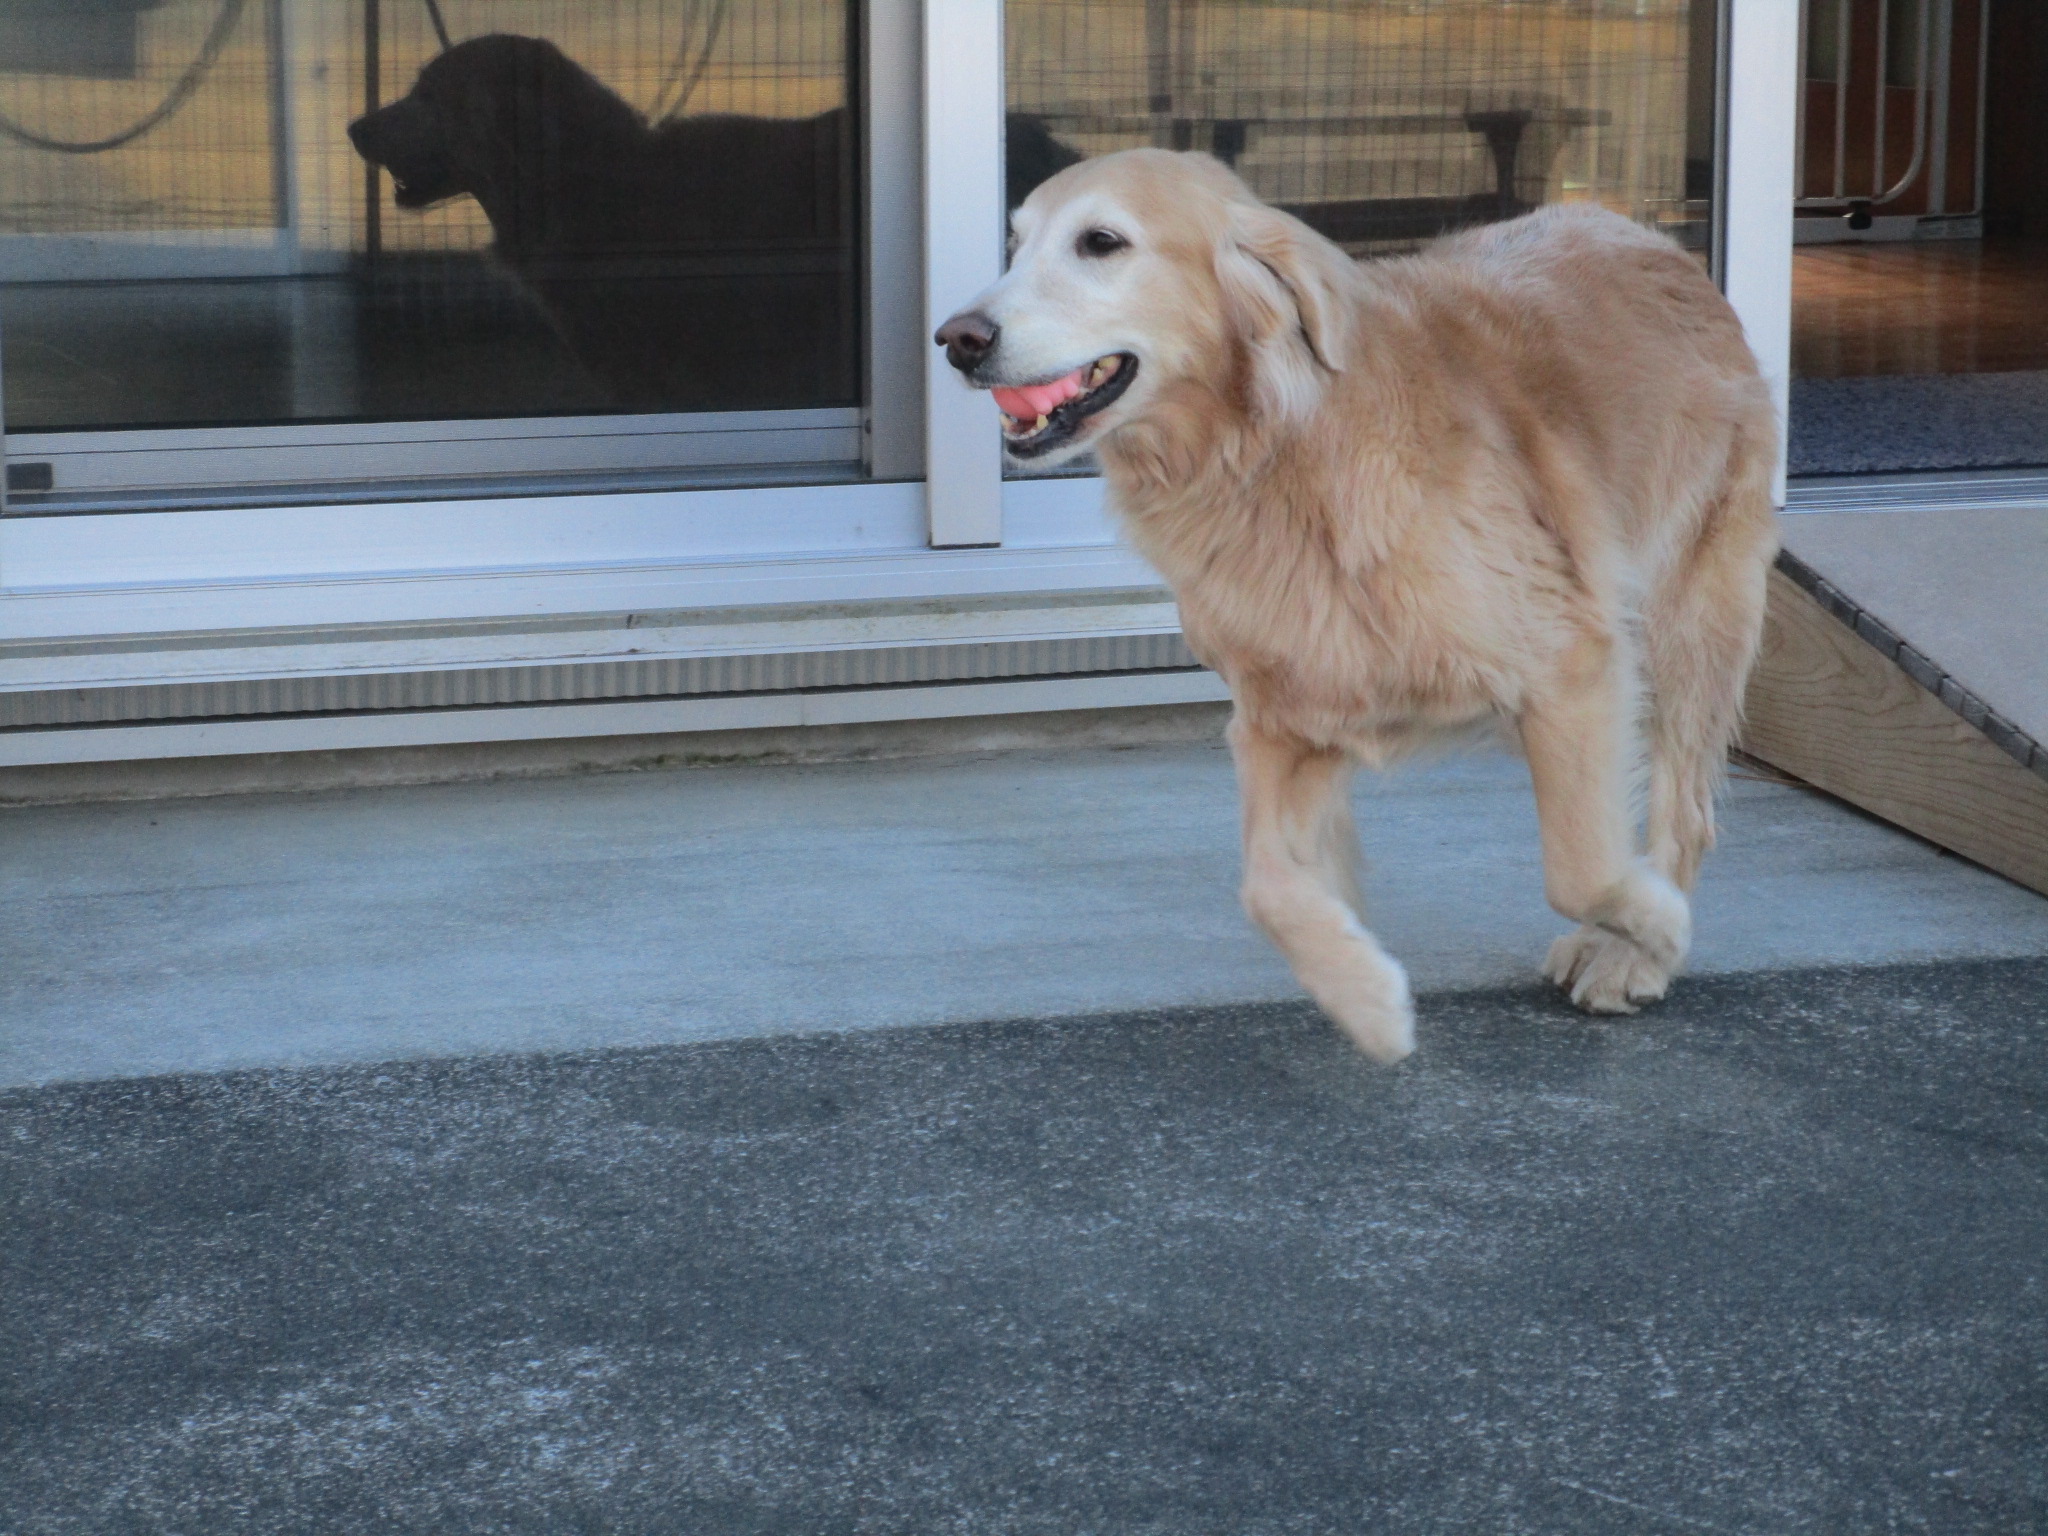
pixel 1771 1258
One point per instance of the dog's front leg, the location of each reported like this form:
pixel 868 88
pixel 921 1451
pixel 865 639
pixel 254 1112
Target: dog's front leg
pixel 1301 887
pixel 1578 734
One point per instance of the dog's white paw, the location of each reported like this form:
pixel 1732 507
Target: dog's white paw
pixel 1660 922
pixel 1605 973
pixel 1380 1019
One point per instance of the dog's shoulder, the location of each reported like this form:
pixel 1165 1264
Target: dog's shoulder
pixel 704 133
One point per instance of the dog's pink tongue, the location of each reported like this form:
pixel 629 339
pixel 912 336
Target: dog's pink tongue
pixel 1036 400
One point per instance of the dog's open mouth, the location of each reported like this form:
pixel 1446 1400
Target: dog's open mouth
pixel 421 189
pixel 1040 417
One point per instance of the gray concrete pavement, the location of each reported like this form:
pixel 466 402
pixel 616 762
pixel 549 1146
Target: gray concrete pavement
pixel 290 930
pixel 1767 1259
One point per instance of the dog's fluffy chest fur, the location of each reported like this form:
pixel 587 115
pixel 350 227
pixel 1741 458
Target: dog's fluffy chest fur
pixel 1348 601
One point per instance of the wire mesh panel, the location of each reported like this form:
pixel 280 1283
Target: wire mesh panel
pixel 267 211
pixel 1385 122
pixel 141 117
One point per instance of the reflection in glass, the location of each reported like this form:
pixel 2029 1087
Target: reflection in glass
pixel 1385 122
pixel 605 205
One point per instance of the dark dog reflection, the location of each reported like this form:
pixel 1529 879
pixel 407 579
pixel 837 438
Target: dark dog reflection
pixel 704 262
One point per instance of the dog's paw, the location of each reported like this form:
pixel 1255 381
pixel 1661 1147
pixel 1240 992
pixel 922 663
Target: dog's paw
pixel 1648 911
pixel 1605 973
pixel 1380 1019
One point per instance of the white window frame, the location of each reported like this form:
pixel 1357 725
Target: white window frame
pixel 1759 148
pixel 935 517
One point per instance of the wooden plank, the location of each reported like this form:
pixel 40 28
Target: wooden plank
pixel 1827 707
pixel 1962 585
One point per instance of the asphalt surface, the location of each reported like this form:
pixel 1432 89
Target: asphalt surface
pixel 1770 1258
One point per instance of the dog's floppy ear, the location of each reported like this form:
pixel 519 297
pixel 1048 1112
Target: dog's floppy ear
pixel 1287 290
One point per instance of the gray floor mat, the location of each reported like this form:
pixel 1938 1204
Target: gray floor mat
pixel 1919 421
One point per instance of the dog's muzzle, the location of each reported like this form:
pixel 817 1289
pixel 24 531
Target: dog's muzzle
pixel 1038 416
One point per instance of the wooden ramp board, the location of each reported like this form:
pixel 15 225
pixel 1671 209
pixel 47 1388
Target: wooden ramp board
pixel 1965 586
pixel 1905 669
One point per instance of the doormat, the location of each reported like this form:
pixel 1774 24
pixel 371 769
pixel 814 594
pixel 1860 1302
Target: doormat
pixel 1919 421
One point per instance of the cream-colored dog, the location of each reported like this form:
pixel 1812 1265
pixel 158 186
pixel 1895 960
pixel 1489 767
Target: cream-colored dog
pixel 1522 478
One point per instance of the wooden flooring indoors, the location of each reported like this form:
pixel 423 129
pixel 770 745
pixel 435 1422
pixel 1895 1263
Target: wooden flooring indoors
pixel 1920 307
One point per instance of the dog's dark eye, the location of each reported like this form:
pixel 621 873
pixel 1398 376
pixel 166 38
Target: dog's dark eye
pixel 1102 242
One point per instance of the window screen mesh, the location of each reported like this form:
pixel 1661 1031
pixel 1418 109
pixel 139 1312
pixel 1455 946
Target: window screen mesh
pixel 188 235
pixel 1383 122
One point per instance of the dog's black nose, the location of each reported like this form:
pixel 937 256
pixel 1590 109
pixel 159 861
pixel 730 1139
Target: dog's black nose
pixel 967 339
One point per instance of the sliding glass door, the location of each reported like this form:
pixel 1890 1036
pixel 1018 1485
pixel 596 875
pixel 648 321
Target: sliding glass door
pixel 314 248
pixel 262 252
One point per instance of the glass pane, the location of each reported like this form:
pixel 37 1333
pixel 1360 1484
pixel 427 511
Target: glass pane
pixel 1920 318
pixel 1385 122
pixel 579 206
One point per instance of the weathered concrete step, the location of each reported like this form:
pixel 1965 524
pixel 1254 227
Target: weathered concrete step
pixel 658 907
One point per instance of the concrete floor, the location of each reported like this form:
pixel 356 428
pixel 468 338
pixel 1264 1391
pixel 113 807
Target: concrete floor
pixel 291 930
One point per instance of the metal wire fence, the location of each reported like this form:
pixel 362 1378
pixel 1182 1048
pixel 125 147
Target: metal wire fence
pixel 141 119
pixel 228 115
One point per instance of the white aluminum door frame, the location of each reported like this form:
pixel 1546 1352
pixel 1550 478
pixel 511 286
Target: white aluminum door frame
pixel 962 68
pixel 893 156
pixel 1760 85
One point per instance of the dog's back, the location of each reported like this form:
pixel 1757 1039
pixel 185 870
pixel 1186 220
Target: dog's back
pixel 729 178
pixel 1612 342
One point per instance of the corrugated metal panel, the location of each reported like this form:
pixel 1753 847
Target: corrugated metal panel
pixel 665 678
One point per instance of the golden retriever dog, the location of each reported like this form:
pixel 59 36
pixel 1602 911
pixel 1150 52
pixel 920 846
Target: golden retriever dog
pixel 1522 479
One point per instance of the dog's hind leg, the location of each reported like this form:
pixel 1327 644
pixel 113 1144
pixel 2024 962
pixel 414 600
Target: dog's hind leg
pixel 1301 887
pixel 1579 733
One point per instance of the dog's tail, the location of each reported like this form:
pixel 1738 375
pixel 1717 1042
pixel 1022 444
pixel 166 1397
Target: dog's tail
pixel 1701 632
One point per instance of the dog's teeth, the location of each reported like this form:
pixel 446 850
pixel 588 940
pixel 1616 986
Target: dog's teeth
pixel 1009 420
pixel 1039 425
